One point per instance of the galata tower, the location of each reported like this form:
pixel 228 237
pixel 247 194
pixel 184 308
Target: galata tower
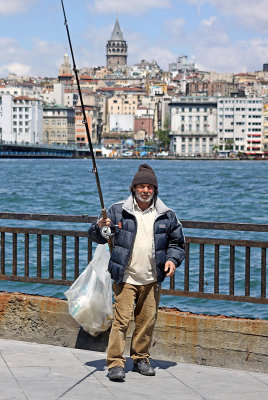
pixel 116 50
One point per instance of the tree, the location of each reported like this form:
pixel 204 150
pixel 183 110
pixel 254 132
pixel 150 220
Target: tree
pixel 163 136
pixel 229 144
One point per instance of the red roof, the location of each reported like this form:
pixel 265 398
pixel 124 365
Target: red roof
pixel 25 98
pixel 87 77
pixel 67 75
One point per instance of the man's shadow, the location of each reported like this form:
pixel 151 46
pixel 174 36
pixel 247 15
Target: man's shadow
pixel 87 342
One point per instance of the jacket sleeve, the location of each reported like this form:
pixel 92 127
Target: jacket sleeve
pixel 176 242
pixel 95 234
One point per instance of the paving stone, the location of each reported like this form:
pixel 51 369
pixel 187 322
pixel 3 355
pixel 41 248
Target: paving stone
pixel 31 371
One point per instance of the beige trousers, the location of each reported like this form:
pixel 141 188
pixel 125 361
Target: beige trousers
pixel 142 301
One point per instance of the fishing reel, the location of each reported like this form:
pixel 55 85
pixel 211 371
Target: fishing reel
pixel 106 232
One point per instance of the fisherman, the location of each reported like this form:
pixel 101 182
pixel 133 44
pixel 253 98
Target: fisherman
pixel 148 245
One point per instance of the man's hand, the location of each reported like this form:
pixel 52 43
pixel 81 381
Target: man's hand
pixel 169 268
pixel 104 222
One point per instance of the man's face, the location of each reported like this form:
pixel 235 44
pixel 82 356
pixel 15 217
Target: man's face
pixel 144 192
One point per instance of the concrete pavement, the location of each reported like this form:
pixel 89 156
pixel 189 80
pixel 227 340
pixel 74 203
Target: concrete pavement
pixel 43 372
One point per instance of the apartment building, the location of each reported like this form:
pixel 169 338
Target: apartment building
pixel 94 122
pixel 216 88
pixel 58 124
pixel 265 128
pixel 60 94
pixel 240 123
pixel 193 125
pixel 122 103
pixel 21 119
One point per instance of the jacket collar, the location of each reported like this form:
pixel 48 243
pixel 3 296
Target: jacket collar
pixel 160 207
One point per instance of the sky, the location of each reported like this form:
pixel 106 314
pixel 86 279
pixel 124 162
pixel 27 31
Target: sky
pixel 218 35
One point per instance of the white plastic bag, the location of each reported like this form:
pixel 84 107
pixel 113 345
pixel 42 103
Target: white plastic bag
pixel 90 296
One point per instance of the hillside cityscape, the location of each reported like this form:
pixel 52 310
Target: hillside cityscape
pixel 139 110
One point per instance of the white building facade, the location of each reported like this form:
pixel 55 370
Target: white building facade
pixel 193 126
pixel 21 119
pixel 240 124
pixel 60 95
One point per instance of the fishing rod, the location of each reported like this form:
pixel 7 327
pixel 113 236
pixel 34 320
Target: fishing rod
pixel 106 231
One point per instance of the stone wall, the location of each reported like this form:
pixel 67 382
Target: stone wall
pixel 179 336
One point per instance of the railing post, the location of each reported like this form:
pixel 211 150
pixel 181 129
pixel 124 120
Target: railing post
pixel 15 255
pixel 51 256
pixel 26 254
pixel 201 268
pixel 89 250
pixel 39 256
pixel 186 266
pixel 232 270
pixel 63 257
pixel 3 253
pixel 216 268
pixel 247 272
pixel 76 257
pixel 263 272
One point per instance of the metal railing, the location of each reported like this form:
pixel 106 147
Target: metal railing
pixel 31 242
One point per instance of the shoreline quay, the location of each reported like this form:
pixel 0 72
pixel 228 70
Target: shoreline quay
pixel 218 341
pixel 168 158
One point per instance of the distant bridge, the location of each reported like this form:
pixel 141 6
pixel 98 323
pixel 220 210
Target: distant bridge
pixel 30 150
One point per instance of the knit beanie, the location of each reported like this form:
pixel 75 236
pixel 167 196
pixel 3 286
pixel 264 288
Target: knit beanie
pixel 145 174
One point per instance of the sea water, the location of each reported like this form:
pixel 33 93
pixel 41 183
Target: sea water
pixel 220 191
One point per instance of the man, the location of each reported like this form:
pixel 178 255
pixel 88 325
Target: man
pixel 148 245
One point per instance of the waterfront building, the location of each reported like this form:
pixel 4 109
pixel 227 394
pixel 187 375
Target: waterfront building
pixel 144 124
pixel 21 119
pixel 265 127
pixel 240 123
pixel 116 50
pixel 80 130
pixel 58 124
pixel 193 125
